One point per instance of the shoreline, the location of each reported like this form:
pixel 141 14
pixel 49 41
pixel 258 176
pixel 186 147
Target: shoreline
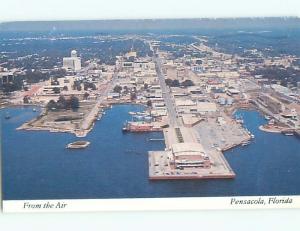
pixel 79 132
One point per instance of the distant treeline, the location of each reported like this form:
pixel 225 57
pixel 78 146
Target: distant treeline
pixel 276 73
pixel 152 24
pixel 47 53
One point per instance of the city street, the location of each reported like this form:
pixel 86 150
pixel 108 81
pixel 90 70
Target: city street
pixel 166 94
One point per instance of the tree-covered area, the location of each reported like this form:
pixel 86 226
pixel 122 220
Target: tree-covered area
pixel 30 77
pixel 178 39
pixel 48 52
pixel 270 43
pixel 277 73
pixel 176 83
pixel 117 89
pixel 16 85
pixel 88 85
pixel 64 104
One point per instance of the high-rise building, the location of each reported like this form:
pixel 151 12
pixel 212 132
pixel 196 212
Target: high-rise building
pixel 72 63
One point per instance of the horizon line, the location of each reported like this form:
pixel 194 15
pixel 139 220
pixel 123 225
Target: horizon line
pixel 167 18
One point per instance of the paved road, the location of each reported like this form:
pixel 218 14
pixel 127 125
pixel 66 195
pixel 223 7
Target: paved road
pixel 87 120
pixel 166 94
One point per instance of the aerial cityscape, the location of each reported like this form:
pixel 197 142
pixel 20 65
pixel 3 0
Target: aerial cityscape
pixel 119 112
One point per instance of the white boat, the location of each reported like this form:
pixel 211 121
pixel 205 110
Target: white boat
pixel 240 121
pixel 78 145
pixel 267 117
pixel 245 143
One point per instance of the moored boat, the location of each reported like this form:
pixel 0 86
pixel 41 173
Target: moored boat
pixel 288 132
pixel 245 143
pixel 78 144
pixel 139 127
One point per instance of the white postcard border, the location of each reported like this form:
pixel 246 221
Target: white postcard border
pixel 151 204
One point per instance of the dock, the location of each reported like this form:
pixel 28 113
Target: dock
pixel 166 165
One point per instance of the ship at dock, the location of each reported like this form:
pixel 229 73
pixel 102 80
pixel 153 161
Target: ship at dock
pixel 141 122
pixel 140 126
pixel 288 132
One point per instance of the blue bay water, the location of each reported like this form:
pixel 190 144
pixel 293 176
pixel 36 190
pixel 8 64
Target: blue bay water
pixel 36 164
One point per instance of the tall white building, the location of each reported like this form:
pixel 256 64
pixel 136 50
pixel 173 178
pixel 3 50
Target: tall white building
pixel 72 63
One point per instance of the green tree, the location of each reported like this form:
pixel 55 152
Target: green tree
pixel 187 83
pixel 86 95
pixel 175 83
pixel 133 96
pixel 149 103
pixel 74 102
pixel 56 90
pixel 26 99
pixel 61 102
pixel 51 105
pixel 117 89
pixel 125 88
pixel 93 87
pixel 169 82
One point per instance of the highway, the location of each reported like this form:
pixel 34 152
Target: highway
pixel 173 121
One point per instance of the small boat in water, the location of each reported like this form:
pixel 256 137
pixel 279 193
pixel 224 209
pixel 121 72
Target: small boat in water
pixel 267 117
pixel 156 139
pixel 245 143
pixel 288 132
pixel 7 116
pixel 240 121
pixel 78 145
pixel 34 109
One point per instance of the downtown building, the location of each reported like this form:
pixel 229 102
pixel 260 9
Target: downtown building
pixel 72 63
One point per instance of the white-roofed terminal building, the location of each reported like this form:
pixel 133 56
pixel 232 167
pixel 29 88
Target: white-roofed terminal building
pixel 189 155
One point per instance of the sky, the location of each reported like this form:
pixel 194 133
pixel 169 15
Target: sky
pixel 20 10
